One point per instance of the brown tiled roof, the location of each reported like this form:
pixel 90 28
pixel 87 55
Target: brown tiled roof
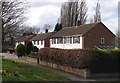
pixel 75 30
pixel 25 38
pixel 41 36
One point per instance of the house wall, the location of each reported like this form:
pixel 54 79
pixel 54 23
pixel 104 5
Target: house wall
pixel 40 45
pixel 93 37
pixel 67 46
pixel 47 42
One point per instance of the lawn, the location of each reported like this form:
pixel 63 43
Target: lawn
pixel 18 71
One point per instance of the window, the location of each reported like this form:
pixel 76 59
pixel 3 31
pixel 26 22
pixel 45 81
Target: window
pixel 60 40
pixel 37 42
pixel 34 42
pixel 76 39
pixel 68 40
pixel 41 42
pixel 64 40
pixel 102 40
pixel 53 40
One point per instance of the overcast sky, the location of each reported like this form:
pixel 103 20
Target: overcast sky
pixel 48 12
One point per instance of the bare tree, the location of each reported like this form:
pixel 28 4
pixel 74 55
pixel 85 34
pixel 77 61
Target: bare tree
pixel 30 30
pixel 73 13
pixel 97 16
pixel 91 20
pixel 64 14
pixel 82 12
pixel 12 18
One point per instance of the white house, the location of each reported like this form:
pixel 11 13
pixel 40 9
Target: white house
pixel 42 40
pixel 67 42
pixel 83 36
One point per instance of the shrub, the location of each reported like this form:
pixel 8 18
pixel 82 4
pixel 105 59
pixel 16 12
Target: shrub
pixel 20 50
pixel 70 58
pixel 29 47
pixel 95 60
pixel 35 49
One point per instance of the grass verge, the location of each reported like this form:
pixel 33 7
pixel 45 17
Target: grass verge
pixel 18 71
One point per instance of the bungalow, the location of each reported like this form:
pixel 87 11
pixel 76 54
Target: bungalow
pixel 23 40
pixel 42 40
pixel 83 36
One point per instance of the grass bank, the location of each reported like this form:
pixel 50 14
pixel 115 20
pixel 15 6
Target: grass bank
pixel 18 71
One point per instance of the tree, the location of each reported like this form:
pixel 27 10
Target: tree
pixel 29 47
pixel 97 16
pixel 82 12
pixel 35 49
pixel 20 50
pixel 58 27
pixel 69 13
pixel 12 19
pixel 29 29
pixel 73 13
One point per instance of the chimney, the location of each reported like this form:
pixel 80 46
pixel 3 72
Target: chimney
pixel 46 30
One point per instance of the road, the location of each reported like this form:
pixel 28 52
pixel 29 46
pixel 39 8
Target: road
pixel 10 56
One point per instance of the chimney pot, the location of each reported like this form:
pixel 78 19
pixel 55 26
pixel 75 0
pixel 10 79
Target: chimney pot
pixel 46 30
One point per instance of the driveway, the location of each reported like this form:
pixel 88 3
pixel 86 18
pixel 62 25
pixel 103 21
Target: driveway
pixel 10 56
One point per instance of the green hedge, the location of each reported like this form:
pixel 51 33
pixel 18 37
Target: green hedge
pixel 105 61
pixel 93 59
pixel 20 50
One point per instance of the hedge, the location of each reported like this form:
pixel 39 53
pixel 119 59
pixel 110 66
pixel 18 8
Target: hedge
pixel 93 59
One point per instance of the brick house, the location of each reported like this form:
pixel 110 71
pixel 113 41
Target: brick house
pixel 83 36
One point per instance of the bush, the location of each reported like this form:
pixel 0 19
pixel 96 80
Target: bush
pixel 35 49
pixel 98 61
pixel 29 47
pixel 20 50
pixel 70 58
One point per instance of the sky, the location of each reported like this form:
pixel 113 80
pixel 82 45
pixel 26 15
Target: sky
pixel 43 12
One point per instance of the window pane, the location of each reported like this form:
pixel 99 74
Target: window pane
pixel 64 40
pixel 59 40
pixel 102 40
pixel 37 42
pixel 34 42
pixel 76 39
pixel 70 40
pixel 41 42
pixel 54 41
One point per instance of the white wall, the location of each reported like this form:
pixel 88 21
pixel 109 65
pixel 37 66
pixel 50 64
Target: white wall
pixel 39 46
pixel 67 46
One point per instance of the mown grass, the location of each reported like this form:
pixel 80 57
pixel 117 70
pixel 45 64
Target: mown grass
pixel 18 71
